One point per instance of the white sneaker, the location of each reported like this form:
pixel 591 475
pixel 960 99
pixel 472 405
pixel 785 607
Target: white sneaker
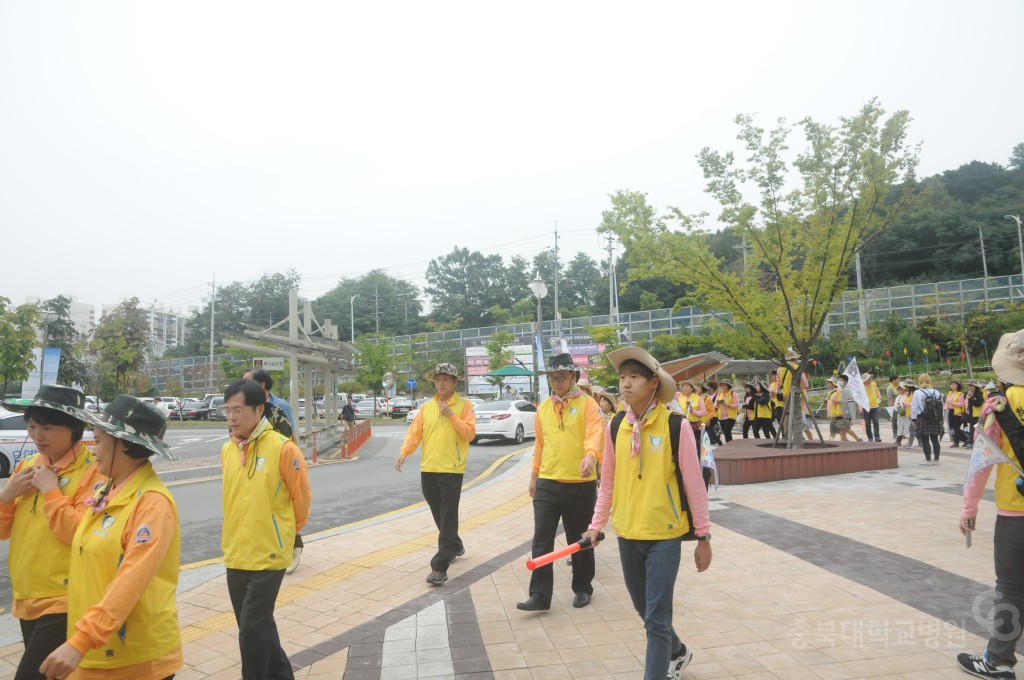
pixel 296 556
pixel 679 662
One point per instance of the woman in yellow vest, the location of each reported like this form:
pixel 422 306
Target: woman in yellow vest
pixel 692 406
pixel 763 411
pixel 607 403
pixel 649 508
pixel 728 407
pixel 122 618
pixel 955 413
pixel 52 482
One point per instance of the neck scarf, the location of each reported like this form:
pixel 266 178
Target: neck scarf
pixel 243 444
pixel 561 402
pixel 638 424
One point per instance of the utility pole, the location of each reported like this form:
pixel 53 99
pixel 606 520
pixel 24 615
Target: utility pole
pixel 376 307
pixel 613 312
pixel 863 334
pixel 558 314
pixel 743 248
pixel 984 265
pixel 213 297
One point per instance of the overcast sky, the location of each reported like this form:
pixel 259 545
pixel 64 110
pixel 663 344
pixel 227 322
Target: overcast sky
pixel 146 147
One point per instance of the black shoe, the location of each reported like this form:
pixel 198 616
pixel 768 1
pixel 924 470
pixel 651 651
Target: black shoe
pixel 437 578
pixel 978 665
pixel 534 604
pixel 581 600
pixel 461 553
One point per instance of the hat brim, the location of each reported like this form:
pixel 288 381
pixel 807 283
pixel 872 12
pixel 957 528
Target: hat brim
pixel 666 391
pixel 77 413
pixel 120 430
pixel 1003 365
pixel 431 374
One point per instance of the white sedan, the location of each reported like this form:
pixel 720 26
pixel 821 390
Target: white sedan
pixel 506 419
pixel 412 414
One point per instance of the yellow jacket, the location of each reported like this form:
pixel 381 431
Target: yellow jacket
pixel 445 440
pixel 124 577
pixel 558 451
pixel 38 559
pixel 1007 496
pixel 266 500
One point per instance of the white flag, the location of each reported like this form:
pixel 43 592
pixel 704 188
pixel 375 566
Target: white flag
pixel 984 454
pixel 856 385
pixel 707 456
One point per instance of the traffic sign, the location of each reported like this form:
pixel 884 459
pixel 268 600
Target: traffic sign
pixel 411 383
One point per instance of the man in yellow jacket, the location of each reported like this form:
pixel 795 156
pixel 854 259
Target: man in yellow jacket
pixel 445 425
pixel 564 481
pixel 266 501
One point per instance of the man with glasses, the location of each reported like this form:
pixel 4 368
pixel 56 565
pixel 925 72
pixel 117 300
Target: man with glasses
pixel 266 501
pixel 563 485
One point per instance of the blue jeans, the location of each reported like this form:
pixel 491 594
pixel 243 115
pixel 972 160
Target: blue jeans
pixel 649 569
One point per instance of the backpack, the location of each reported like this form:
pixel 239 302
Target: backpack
pixel 931 409
pixel 675 422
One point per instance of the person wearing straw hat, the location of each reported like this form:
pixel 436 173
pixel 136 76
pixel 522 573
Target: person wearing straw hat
pixel 1003 423
pixel 445 426
pixel 727 406
pixel 973 401
pixel 125 554
pixel 266 498
pixel 606 402
pixel 650 510
pixel 785 379
pixel 563 482
pixel 49 484
pixel 901 412
pixel 763 410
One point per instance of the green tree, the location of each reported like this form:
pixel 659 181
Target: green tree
pixel 374 359
pixel 17 340
pixel 466 284
pixel 396 301
pixel 852 180
pixel 61 332
pixel 601 371
pixel 499 356
pixel 121 343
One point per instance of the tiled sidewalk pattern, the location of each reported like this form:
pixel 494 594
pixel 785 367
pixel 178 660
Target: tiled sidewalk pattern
pixel 853 576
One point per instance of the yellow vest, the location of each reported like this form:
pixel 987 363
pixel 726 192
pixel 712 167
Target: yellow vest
pixel 38 561
pixel 951 398
pixel 151 629
pixel 835 404
pixel 259 521
pixel 694 401
pixel 727 412
pixel 976 410
pixel 763 410
pixel 647 508
pixel 776 401
pixel 874 395
pixel 443 449
pixel 563 446
pixel 1007 497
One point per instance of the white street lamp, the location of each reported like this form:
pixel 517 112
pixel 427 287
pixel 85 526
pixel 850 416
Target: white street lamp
pixel 352 316
pixel 540 291
pixel 1020 240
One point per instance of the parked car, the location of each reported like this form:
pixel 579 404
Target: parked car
pixel 94 404
pixel 400 406
pixel 190 409
pixel 505 419
pixel 217 409
pixel 370 408
pixel 419 404
pixel 15 443
pixel 318 409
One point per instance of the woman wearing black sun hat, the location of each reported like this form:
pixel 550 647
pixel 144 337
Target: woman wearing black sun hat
pixel 50 483
pixel 122 617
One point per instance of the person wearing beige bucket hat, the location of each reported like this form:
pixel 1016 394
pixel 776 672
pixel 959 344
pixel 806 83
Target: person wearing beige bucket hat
pixel 445 426
pixel 1003 423
pixel 48 485
pixel 125 554
pixel 653 490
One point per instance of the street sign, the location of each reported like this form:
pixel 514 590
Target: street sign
pixel 411 383
pixel 268 363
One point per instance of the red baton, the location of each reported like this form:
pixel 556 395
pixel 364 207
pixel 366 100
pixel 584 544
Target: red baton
pixel 582 544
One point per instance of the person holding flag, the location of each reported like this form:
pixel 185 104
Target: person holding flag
pixel 1000 443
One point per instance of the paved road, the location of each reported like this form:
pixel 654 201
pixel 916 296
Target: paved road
pixel 342 492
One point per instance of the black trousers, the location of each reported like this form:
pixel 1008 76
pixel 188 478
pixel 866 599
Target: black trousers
pixel 955 433
pixel 442 492
pixel 253 594
pixel 748 423
pixel 41 636
pixel 764 425
pixel 727 425
pixel 573 504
